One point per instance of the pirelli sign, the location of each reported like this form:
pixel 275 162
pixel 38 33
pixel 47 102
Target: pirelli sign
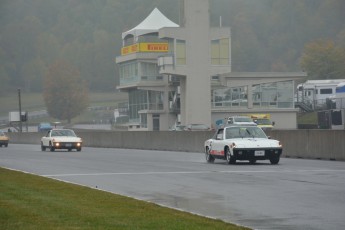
pixel 145 47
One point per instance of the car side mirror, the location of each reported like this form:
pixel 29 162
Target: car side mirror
pixel 273 123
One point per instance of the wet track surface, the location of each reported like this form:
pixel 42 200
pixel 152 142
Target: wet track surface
pixel 296 194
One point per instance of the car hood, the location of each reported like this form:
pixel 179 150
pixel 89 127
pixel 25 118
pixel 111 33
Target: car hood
pixel 67 139
pixel 254 142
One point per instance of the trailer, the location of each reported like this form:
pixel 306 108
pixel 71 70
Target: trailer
pixel 318 94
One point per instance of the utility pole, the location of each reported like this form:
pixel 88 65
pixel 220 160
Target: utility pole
pixel 20 112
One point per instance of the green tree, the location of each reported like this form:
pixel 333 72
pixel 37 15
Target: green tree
pixel 323 60
pixel 65 93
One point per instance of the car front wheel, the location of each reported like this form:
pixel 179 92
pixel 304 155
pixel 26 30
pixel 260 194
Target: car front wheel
pixel 209 157
pixel 52 149
pixel 274 160
pixel 230 159
pixel 43 148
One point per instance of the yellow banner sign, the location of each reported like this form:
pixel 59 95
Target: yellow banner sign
pixel 145 47
pixel 130 49
pixel 154 47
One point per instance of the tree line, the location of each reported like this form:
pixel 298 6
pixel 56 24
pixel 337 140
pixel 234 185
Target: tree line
pixel 267 35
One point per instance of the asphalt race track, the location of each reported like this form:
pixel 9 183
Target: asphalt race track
pixel 296 194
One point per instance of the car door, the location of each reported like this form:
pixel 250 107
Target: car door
pixel 217 147
pixel 46 138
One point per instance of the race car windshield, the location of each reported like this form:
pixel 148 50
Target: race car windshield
pixel 241 132
pixel 68 133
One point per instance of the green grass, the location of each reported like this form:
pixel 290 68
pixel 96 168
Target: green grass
pixel 34 101
pixel 307 118
pixel 30 102
pixel 32 202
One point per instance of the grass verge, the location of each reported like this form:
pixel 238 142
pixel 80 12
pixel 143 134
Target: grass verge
pixel 32 202
pixel 307 118
pixel 34 101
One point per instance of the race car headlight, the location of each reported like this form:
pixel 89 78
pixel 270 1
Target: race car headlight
pixel 57 144
pixel 78 144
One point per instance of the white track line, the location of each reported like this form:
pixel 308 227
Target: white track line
pixel 191 172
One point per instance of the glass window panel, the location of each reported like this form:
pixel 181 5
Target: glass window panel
pixel 220 53
pixel 181 52
pixel 215 52
pixel 128 73
pixel 224 49
pixel 229 97
pixel 278 94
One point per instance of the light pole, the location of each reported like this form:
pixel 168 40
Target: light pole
pixel 20 112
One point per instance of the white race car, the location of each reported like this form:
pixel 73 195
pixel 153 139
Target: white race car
pixel 250 143
pixel 61 139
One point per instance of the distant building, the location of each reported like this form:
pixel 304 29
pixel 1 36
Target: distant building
pixel 181 74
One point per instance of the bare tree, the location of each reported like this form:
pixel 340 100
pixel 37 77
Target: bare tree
pixel 65 94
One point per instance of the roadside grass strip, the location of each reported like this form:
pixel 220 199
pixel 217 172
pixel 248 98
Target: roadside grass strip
pixel 33 202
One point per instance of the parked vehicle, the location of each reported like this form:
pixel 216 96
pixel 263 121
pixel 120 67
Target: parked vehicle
pixel 262 120
pixel 250 143
pixel 44 127
pixel 61 139
pixel 197 127
pixel 177 128
pixel 240 120
pixel 316 92
pixel 339 97
pixel 4 139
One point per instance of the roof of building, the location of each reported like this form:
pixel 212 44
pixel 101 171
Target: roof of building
pixel 152 23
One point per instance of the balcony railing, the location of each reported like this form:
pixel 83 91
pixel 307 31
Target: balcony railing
pixel 137 79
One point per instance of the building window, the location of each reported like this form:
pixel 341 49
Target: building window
pixel 276 94
pixel 129 73
pixel 138 100
pixel 229 97
pixel 143 120
pixel 155 100
pixel 326 91
pixel 220 52
pixel 265 95
pixel 180 52
pixel 150 72
pixel 143 100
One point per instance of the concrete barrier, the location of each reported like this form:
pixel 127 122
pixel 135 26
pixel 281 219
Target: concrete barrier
pixel 312 144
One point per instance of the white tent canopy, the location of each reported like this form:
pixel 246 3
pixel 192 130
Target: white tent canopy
pixel 152 23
